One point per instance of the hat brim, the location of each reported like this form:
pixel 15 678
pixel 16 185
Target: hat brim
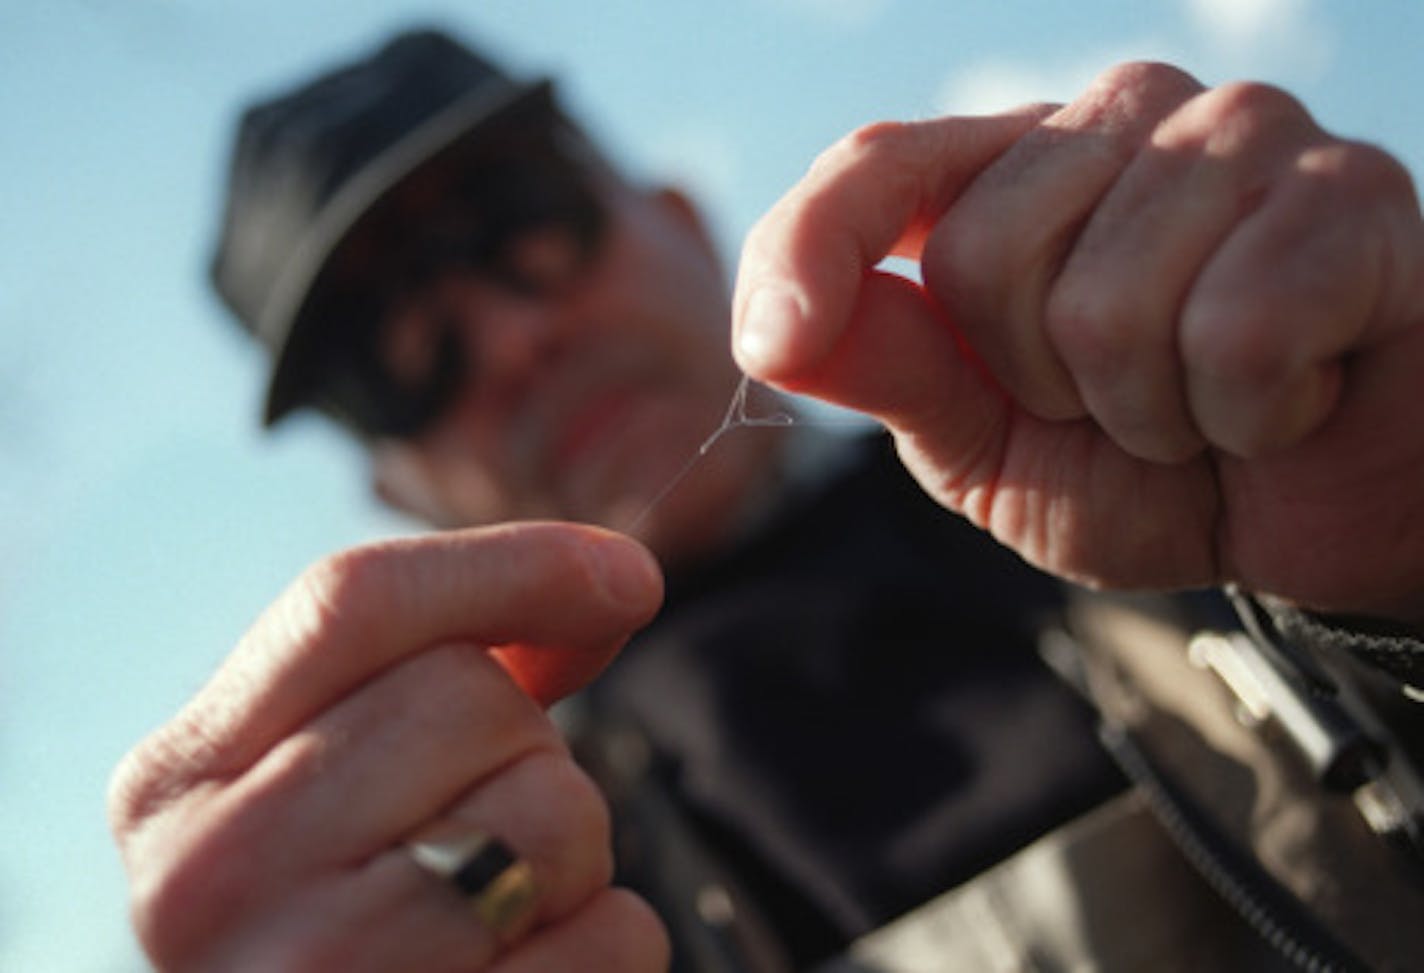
pixel 285 323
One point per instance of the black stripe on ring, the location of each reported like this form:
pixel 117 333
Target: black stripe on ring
pixel 476 873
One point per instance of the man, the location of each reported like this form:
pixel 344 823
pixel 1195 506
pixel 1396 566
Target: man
pixel 830 719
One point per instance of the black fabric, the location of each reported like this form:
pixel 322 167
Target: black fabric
pixel 294 152
pixel 851 707
pixel 310 162
pixel 1390 646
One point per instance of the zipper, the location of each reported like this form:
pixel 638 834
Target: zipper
pixel 1254 896
pixel 1261 902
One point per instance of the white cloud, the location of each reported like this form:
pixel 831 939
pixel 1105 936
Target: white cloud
pixel 1263 35
pixel 1243 23
pixel 991 86
pixel 996 85
pixel 1282 40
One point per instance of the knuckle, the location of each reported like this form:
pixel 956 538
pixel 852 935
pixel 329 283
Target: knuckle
pixel 309 951
pixel 348 579
pixel 452 672
pixel 297 762
pixel 875 136
pixel 157 911
pixel 1123 102
pixel 1091 326
pixel 1253 99
pixel 874 139
pixel 343 592
pixel 158 771
pixel 575 790
pixel 134 789
pixel 177 881
pixel 582 822
pixel 1229 345
pixel 445 680
pixel 175 855
pixel 291 946
pixel 1241 112
pixel 642 943
pixel 1133 82
pixel 1359 167
pixel 964 258
pixel 884 150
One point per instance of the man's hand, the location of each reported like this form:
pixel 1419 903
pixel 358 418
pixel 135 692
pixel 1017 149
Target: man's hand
pixel 263 827
pixel 1167 336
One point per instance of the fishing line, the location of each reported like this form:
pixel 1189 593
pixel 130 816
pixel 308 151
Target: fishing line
pixel 736 417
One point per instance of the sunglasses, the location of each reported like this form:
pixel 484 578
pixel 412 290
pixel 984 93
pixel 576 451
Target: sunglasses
pixel 469 213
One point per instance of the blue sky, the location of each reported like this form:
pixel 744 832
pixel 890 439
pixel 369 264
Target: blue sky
pixel 144 520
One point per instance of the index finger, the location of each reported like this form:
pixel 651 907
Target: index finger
pixel 572 591
pixel 876 192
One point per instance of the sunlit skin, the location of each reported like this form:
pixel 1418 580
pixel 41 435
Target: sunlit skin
pixel 589 398
pixel 1196 321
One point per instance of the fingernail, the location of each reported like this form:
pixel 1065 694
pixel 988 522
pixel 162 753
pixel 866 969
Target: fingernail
pixel 771 316
pixel 627 571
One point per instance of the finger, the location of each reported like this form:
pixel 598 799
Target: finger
pixel 577 590
pixel 896 360
pixel 1059 493
pixel 615 933
pixel 383 911
pixel 1113 312
pixel 549 815
pixel 407 920
pixel 802 264
pixel 994 260
pixel 387 758
pixel 1320 271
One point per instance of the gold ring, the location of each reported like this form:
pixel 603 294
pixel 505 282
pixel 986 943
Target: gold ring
pixel 499 887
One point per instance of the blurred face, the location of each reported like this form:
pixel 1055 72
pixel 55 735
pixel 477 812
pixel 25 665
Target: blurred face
pixel 584 396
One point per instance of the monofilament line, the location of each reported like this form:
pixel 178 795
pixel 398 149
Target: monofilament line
pixel 735 417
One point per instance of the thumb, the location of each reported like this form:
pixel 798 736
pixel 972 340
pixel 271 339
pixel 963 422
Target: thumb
pixel 875 192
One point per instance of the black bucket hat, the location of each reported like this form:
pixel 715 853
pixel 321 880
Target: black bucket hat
pixel 309 164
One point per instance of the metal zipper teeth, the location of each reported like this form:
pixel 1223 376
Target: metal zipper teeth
pixel 1226 881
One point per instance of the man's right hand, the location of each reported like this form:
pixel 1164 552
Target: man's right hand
pixel 1169 336
pixel 392 687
